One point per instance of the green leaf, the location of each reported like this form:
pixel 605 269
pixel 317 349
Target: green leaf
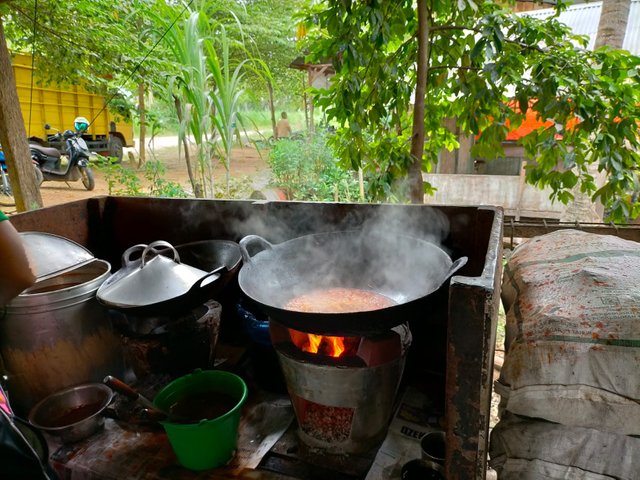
pixel 523 103
pixel 478 50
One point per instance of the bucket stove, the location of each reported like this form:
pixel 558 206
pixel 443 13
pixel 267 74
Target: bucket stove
pixel 342 388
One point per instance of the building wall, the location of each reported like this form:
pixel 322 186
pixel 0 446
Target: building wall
pixel 508 191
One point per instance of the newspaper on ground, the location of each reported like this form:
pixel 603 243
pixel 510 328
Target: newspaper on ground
pixel 260 428
pixel 410 423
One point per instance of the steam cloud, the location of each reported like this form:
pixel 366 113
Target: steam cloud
pixel 393 250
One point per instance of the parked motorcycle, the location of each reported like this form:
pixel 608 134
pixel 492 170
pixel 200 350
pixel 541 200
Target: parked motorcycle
pixel 52 164
pixel 5 184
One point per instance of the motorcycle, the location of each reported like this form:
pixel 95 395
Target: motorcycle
pixel 51 164
pixel 5 184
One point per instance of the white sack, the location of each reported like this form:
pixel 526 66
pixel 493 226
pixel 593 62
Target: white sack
pixel 549 450
pixel 573 331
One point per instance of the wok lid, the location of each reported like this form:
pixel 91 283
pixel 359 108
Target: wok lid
pixel 153 279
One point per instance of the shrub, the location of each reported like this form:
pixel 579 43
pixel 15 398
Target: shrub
pixel 307 169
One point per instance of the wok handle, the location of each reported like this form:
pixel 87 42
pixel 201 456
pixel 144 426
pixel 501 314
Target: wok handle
pixel 252 241
pixel 457 265
pixel 152 248
pixel 153 415
pixel 201 282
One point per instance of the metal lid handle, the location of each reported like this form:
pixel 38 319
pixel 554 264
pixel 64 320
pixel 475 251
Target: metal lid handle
pixel 152 248
pixel 126 256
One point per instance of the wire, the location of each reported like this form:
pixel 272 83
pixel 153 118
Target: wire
pixel 137 67
pixel 33 60
pixel 133 71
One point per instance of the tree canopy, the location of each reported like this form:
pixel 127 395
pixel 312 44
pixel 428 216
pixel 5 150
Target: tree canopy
pixel 472 61
pixel 91 41
pixel 486 67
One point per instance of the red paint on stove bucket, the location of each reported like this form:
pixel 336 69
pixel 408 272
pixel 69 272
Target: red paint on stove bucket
pixel 326 423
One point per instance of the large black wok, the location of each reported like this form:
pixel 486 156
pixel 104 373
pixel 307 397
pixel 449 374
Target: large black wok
pixel 403 268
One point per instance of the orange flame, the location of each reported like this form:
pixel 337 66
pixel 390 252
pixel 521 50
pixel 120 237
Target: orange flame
pixel 320 344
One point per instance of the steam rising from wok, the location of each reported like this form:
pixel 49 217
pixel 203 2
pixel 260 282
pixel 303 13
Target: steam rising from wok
pixel 384 253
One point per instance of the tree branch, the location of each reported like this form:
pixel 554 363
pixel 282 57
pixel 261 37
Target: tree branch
pixel 438 28
pixel 524 46
pixel 442 67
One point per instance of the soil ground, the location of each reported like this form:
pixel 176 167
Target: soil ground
pixel 246 162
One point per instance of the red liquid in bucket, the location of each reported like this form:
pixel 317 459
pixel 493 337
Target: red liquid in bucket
pixel 202 405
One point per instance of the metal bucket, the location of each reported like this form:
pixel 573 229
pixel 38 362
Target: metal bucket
pixel 56 334
pixel 351 405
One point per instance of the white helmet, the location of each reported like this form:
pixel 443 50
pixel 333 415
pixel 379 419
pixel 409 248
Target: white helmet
pixel 81 124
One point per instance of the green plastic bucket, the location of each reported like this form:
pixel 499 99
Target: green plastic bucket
pixel 207 443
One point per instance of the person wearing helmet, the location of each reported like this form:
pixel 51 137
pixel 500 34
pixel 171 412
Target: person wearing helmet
pixel 81 124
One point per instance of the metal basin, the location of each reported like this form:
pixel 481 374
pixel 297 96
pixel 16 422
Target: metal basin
pixel 74 413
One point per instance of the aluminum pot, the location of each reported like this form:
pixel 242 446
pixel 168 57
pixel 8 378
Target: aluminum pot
pixel 55 334
pixel 74 413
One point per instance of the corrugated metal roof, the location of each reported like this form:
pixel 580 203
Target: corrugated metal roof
pixel 584 18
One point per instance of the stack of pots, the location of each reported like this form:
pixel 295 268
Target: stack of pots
pixel 55 334
pixel 161 303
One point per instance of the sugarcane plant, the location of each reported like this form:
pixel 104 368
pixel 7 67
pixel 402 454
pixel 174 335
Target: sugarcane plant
pixel 206 85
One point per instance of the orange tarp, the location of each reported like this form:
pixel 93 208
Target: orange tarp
pixel 532 122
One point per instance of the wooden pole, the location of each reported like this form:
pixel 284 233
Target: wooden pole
pixel 143 128
pixel 312 126
pixel 272 107
pixel 305 104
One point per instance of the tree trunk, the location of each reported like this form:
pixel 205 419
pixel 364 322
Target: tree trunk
pixel 272 107
pixel 197 189
pixel 13 137
pixel 143 128
pixel 614 17
pixel 416 190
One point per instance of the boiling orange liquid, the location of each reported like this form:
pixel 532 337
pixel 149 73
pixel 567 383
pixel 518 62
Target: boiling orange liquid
pixel 339 300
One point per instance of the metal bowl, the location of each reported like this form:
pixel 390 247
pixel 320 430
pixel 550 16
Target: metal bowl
pixel 74 413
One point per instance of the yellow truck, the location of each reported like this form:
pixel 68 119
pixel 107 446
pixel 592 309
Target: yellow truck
pixel 59 105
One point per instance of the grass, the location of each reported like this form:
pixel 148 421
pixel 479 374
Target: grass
pixel 255 119
pixel 500 333
pixel 262 119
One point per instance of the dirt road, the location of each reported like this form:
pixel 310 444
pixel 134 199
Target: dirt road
pixel 246 162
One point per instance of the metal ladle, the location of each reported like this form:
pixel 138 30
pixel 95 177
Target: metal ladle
pixel 151 411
